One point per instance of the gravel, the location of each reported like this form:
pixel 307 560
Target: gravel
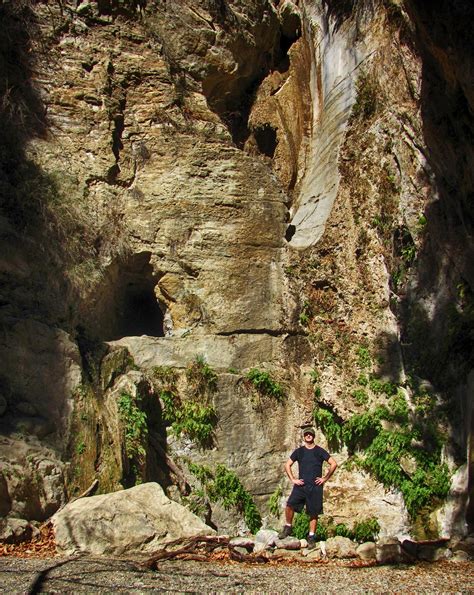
pixel 92 575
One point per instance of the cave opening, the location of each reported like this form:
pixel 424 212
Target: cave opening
pixel 133 307
pixel 266 139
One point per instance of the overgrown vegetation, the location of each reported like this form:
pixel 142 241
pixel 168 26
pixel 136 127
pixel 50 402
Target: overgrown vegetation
pixel 368 96
pixel 362 531
pixel 223 486
pixel 382 452
pixel 265 385
pixel 135 426
pixel 193 415
pixel 274 503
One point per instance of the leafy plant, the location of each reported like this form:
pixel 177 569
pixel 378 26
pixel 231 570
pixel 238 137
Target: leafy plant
pixel 274 502
pixel 194 417
pixel 265 385
pixel 201 376
pixel 360 396
pixel 367 99
pixel 80 447
pixel 325 420
pixel 225 487
pixel 135 422
pixel 366 530
pixel 363 357
pixel 301 528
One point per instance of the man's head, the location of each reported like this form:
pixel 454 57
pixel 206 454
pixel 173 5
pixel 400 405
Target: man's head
pixel 309 434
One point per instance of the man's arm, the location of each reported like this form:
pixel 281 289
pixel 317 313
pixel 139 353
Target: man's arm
pixel 332 467
pixel 289 472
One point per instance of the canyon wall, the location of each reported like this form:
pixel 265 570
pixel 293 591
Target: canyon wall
pixel 238 216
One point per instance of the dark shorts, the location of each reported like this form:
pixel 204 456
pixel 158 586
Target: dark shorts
pixel 311 495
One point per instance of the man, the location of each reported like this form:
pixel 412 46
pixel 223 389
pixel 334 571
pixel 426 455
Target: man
pixel 308 488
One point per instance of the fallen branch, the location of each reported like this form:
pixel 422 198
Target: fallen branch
pixel 197 548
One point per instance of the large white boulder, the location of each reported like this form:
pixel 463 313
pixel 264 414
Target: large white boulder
pixel 132 521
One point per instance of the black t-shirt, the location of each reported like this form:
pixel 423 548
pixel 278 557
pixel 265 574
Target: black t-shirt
pixel 310 462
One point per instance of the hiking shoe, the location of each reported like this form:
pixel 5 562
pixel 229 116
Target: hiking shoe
pixel 285 532
pixel 311 539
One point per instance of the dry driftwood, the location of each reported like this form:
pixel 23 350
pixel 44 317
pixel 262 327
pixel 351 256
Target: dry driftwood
pixel 196 548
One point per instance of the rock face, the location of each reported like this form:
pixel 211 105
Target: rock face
pixel 132 521
pixel 266 185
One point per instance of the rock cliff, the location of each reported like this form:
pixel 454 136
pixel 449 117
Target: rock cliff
pixel 224 219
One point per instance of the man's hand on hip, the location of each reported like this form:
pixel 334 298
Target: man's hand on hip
pixel 319 481
pixel 298 482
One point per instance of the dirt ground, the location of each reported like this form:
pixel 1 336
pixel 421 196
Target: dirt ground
pixel 92 575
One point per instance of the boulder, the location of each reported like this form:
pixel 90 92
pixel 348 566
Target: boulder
pixel 366 551
pixel 138 520
pixel 340 547
pixel 242 542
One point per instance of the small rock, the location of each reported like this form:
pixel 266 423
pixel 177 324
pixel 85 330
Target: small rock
pixel 303 543
pixel 340 547
pixel 460 556
pixel 389 551
pixel 264 539
pixel 241 550
pixel 289 543
pixel 283 553
pixel 433 554
pixel 242 542
pixel 309 555
pixel 15 530
pixel 366 551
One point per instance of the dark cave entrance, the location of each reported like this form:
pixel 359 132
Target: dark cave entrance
pixel 134 310
pixel 266 139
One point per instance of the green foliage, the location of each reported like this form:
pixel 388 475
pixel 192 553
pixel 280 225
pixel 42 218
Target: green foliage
pixel 225 487
pixel 201 376
pixel 265 385
pixel 362 380
pixel 195 420
pixel 324 419
pixel 201 472
pixel 363 357
pixel 274 502
pixel 399 407
pixel 194 417
pixel 380 387
pixel 342 530
pixel 80 447
pixel 360 396
pixel 301 528
pixel 367 98
pixel 360 429
pixel 135 422
pixel 366 530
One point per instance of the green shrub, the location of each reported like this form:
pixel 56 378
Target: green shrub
pixel 265 385
pixel 324 419
pixel 135 423
pixel 201 377
pixel 366 530
pixel 367 98
pixel 225 487
pixel 341 530
pixel 301 528
pixel 274 503
pixel 363 357
pixel 360 396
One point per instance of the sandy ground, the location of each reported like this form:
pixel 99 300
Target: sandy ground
pixel 92 575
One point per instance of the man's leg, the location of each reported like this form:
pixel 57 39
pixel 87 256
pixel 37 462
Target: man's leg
pixel 313 524
pixel 289 514
pixel 286 531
